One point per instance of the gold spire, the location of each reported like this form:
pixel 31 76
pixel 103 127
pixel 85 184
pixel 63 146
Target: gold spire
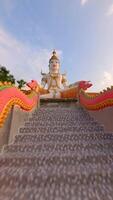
pixel 54 56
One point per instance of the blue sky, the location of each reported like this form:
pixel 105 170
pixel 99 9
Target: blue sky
pixel 81 32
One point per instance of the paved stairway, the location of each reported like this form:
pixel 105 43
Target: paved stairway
pixel 60 154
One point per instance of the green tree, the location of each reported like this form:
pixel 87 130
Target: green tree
pixel 21 83
pixel 5 75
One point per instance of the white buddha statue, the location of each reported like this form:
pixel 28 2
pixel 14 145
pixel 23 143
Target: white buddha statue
pixel 54 81
pixel 54 84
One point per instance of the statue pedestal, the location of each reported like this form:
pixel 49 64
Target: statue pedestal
pixel 58 102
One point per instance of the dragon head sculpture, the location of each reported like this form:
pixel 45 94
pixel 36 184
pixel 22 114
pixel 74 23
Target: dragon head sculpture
pixel 33 85
pixel 85 85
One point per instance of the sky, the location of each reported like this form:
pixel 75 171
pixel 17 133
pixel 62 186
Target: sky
pixel 81 31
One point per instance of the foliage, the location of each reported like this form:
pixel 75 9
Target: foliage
pixel 21 83
pixel 5 75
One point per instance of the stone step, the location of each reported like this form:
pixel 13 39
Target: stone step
pixel 44 182
pixel 71 111
pixel 65 137
pixel 31 160
pixel 73 127
pixel 15 177
pixel 56 129
pixel 56 113
pixel 82 168
pixel 61 113
pixel 58 190
pixel 58 109
pixel 63 117
pixel 61 123
pixel 62 147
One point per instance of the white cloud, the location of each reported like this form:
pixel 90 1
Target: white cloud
pixel 83 2
pixel 107 79
pixel 102 80
pixel 22 61
pixel 110 10
pixel 107 76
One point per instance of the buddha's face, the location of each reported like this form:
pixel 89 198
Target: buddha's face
pixel 54 66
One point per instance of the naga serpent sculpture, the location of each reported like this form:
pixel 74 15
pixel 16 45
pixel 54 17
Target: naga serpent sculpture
pixel 10 95
pixel 96 102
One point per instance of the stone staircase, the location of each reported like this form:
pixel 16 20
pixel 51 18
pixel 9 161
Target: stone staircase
pixel 61 153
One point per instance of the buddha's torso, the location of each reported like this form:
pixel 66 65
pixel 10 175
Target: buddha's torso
pixel 54 81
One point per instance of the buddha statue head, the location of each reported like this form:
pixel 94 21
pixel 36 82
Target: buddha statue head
pixel 54 63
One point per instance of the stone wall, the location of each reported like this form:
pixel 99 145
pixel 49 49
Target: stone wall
pixel 15 119
pixel 19 117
